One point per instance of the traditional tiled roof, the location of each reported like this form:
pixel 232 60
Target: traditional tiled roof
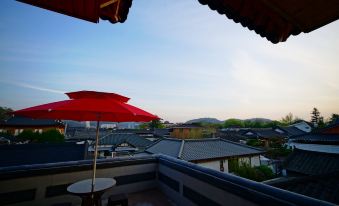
pixel 275 19
pixel 161 132
pixel 311 162
pixel 27 154
pixel 265 133
pixel 292 131
pixel 166 146
pixel 80 133
pixel 202 149
pixel 324 187
pixel 23 121
pixel 316 138
pixel 233 136
pixel 116 139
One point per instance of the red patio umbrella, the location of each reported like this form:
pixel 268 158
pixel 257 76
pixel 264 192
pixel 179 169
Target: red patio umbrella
pixel 90 106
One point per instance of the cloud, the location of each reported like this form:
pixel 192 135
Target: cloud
pixel 34 87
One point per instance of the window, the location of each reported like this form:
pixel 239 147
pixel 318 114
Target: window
pixel 222 169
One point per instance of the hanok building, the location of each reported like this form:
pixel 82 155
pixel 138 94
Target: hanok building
pixel 187 131
pixel 310 173
pixel 121 144
pixel 266 135
pixel 322 140
pixel 15 125
pixel 213 153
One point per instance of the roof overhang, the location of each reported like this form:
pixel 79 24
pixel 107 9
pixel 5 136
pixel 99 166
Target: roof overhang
pixel 90 10
pixel 277 19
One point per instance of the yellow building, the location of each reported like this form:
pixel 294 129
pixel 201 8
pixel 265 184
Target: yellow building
pixel 187 131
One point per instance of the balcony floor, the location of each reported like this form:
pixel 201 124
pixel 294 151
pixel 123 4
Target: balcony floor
pixel 152 197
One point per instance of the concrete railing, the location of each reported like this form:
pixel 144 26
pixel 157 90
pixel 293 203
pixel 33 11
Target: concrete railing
pixel 185 183
pixel 190 184
pixel 46 184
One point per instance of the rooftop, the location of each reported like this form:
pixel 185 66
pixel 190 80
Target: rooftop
pixel 311 162
pixel 317 138
pixel 292 131
pixel 323 187
pixel 27 122
pixel 201 149
pixel 116 139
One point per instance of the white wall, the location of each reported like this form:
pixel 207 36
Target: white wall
pixel 255 161
pixel 215 165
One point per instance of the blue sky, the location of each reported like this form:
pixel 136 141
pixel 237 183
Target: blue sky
pixel 177 59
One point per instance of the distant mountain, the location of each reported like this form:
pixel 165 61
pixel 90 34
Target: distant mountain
pixel 205 120
pixel 262 120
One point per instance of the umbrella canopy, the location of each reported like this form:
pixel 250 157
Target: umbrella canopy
pixel 90 106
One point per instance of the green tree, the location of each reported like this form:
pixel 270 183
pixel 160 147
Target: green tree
pixel 259 173
pixel 255 143
pixel 52 136
pixel 315 117
pixel 153 124
pixel 4 113
pixel 29 135
pixel 233 123
pixel 288 119
pixel 156 124
pixel 334 118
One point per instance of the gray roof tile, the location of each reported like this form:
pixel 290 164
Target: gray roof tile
pixel 116 139
pixel 311 162
pixel 202 149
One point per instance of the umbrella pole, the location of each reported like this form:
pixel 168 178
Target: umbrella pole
pixel 95 158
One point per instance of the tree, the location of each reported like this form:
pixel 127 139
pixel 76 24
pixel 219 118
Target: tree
pixel 153 124
pixel 51 136
pixel 4 113
pixel 315 117
pixel 28 134
pixel 288 119
pixel 334 118
pixel 259 173
pixel 233 123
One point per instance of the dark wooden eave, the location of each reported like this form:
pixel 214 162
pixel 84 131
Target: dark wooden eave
pixel 276 20
pixel 90 10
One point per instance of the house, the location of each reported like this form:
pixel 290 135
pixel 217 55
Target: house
pixel 267 135
pixel 82 133
pixel 311 173
pixel 213 153
pixel 330 129
pixel 121 144
pixel 290 131
pixel 159 133
pixel 187 131
pixel 231 135
pixel 303 125
pixel 15 125
pixel 322 140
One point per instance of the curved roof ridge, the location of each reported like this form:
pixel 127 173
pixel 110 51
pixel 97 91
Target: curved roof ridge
pixel 244 145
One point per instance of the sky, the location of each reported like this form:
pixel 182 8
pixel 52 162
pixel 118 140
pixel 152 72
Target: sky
pixel 176 59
